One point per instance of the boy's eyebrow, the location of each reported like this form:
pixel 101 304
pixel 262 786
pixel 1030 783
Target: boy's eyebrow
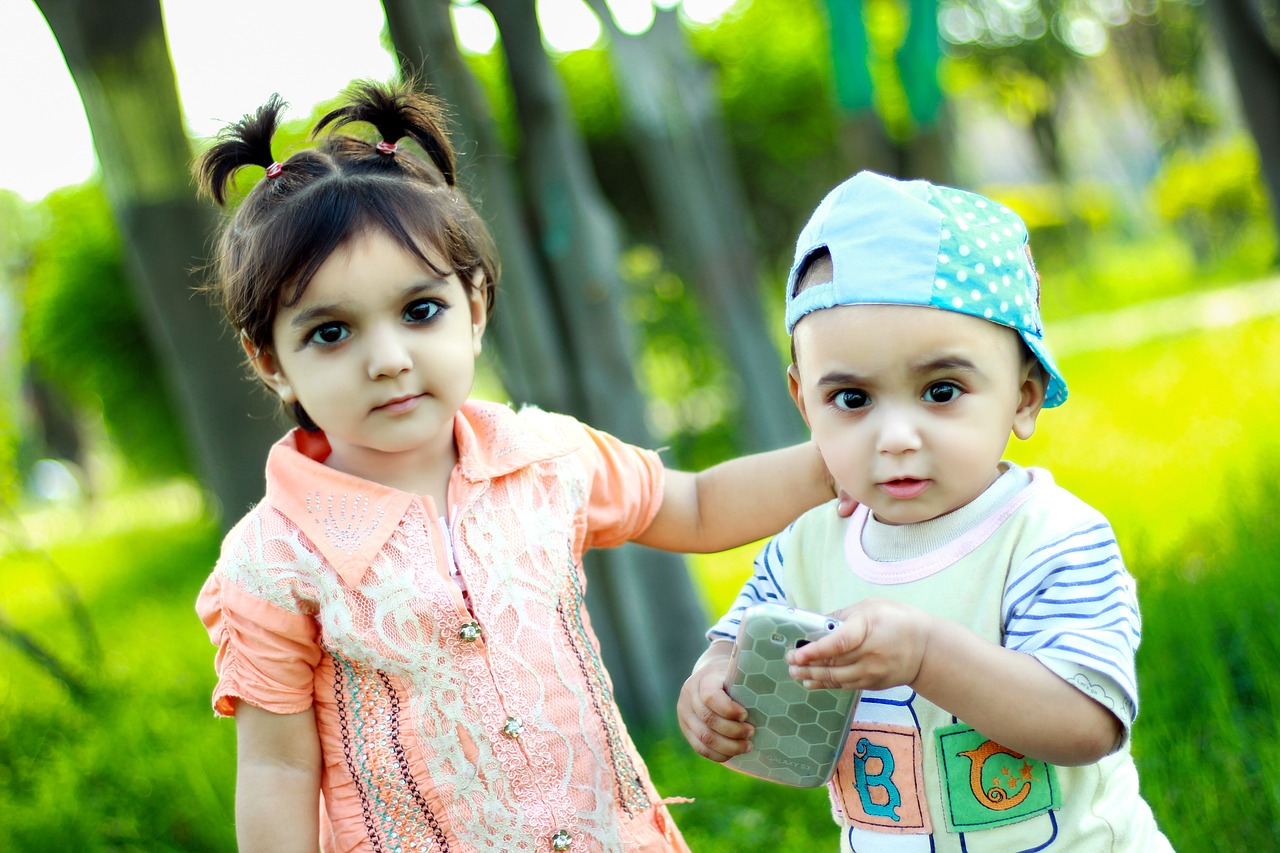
pixel 304 319
pixel 939 364
pixel 944 363
pixel 840 378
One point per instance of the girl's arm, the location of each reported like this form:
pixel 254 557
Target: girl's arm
pixel 277 781
pixel 738 501
pixel 1007 695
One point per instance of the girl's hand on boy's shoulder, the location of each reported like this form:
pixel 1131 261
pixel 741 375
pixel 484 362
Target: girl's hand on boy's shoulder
pixel 879 644
pixel 713 724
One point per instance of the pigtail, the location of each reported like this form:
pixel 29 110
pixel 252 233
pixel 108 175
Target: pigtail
pixel 245 143
pixel 397 112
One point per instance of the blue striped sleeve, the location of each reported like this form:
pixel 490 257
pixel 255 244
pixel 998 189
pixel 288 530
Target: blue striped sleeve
pixel 765 585
pixel 1072 604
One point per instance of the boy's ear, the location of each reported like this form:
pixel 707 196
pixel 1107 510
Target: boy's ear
pixel 265 364
pixel 1030 400
pixel 793 385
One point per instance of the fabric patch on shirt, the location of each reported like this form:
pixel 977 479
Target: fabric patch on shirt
pixel 987 785
pixel 879 779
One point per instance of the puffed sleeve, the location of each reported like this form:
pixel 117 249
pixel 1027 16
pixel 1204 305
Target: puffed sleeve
pixel 266 655
pixel 625 489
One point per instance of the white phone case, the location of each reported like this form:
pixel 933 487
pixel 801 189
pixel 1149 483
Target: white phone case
pixel 799 733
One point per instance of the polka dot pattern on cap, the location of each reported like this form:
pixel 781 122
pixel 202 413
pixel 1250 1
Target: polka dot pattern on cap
pixel 984 263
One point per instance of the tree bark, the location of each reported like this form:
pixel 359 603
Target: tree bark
pixel 675 128
pixel 1250 31
pixel 119 59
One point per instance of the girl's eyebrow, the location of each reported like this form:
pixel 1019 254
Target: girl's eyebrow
pixel 303 320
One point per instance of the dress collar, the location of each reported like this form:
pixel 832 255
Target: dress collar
pixel 350 519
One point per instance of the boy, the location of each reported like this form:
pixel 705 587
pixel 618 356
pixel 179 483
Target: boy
pixel 987 615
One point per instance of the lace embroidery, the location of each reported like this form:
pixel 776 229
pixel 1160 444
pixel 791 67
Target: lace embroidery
pixel 346 529
pixel 395 812
pixel 632 795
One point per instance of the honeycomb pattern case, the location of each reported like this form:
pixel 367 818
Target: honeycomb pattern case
pixel 799 733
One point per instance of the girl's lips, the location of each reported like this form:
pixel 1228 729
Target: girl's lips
pixel 904 489
pixel 399 405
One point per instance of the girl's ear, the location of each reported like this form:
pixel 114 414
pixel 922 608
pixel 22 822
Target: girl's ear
pixel 1030 400
pixel 265 364
pixel 477 295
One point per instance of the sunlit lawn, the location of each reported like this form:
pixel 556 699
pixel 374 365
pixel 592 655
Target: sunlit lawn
pixel 1175 440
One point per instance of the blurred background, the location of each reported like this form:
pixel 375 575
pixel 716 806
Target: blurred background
pixel 645 167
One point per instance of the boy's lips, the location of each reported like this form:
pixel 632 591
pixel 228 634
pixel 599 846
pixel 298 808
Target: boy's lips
pixel 904 488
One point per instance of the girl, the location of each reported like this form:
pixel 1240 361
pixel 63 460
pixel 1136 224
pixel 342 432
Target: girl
pixel 400 624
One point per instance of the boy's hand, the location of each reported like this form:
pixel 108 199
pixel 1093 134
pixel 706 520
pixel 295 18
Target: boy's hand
pixel 715 725
pixel 880 644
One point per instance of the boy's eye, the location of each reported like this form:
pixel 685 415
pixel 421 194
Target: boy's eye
pixel 850 399
pixel 422 310
pixel 329 333
pixel 941 392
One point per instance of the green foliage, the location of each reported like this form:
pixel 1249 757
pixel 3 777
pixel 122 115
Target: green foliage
pixel 140 765
pixel 18 225
pixel 683 373
pixel 1216 199
pixel 84 336
pixel 777 92
pixel 1206 738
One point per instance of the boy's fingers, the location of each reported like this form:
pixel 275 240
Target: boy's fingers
pixel 721 704
pixel 843 641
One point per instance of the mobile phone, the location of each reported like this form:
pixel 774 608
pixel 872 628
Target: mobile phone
pixel 799 733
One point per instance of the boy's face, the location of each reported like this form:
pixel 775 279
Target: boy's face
pixel 912 407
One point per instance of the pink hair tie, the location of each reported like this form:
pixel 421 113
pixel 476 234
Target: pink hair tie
pixel 274 170
pixel 387 147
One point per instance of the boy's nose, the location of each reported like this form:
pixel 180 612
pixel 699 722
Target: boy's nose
pixel 388 356
pixel 898 432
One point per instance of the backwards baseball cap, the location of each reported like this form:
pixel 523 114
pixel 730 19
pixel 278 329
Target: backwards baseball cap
pixel 913 243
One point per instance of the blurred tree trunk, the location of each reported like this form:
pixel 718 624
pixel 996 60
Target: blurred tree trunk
pixel 1250 30
pixel 119 59
pixel 561 292
pixel 677 136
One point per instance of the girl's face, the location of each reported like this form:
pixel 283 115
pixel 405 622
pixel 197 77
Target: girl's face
pixel 912 407
pixel 381 354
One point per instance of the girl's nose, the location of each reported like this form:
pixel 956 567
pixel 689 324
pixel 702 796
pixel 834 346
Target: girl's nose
pixel 388 355
pixel 898 432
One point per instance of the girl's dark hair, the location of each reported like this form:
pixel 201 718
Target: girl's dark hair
pixel 321 197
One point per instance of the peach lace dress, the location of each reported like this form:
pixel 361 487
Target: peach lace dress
pixel 481 720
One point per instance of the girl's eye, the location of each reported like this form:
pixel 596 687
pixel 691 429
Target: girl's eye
pixel 422 311
pixel 329 333
pixel 850 399
pixel 942 392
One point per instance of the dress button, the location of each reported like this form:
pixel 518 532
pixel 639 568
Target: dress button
pixel 561 840
pixel 514 728
pixel 470 632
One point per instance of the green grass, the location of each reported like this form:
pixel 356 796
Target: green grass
pixel 1175 440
